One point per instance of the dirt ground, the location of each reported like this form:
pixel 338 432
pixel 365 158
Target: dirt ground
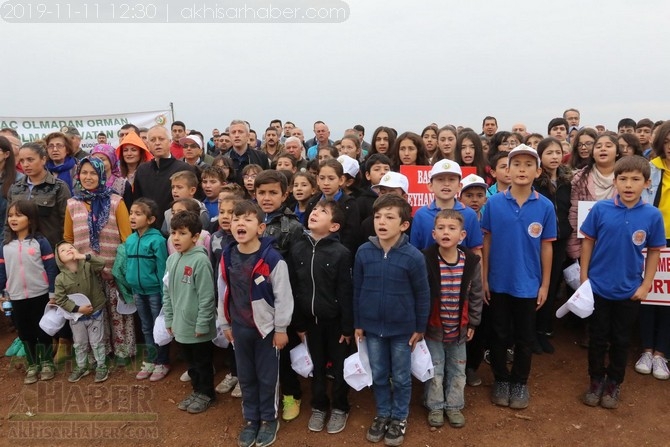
pixel 123 411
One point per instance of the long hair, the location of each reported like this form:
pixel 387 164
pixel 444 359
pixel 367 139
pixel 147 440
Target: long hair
pixel 26 208
pixel 8 173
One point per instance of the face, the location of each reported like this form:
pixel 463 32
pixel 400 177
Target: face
pixel 666 146
pixel 178 208
pixel 105 161
pixel 102 139
pixel 382 142
pixel 249 178
pixel 226 142
pixel 559 132
pixel 276 125
pixel 377 171
pixel 626 130
pixel 523 170
pixel 347 147
pixel 322 133
pixel 181 190
pixel 294 148
pixel 239 136
pixel 324 154
pixel 211 186
pixel 388 225
pixel 246 228
pixel 66 253
pixel 513 142
pixel 183 240
pixel 430 140
pixel 288 127
pixel 533 142
pixel 624 147
pixel 285 164
pixel 271 138
pixel 474 197
pixel 226 214
pixel 321 221
pixel 407 152
pixel 145 137
pixel 31 162
pixel 88 177
pixel 445 186
pixel 329 182
pixel 302 188
pixel 485 145
pixel 446 143
pixel 448 232
pixel 252 140
pixel 138 219
pixel 572 118
pixel 270 197
pixel 490 128
pixel 552 156
pixel 501 173
pixel 585 146
pixel 298 133
pixel 17 221
pixel 604 152
pixel 191 150
pixel 644 135
pixel 519 128
pixel 57 150
pixel 131 154
pixel 394 191
pixel 159 143
pixel 630 185
pixel 178 133
pixel 467 151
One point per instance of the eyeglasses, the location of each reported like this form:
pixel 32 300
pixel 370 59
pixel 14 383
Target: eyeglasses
pixel 512 143
pixel 587 144
pixel 191 146
pixel 250 176
pixel 56 146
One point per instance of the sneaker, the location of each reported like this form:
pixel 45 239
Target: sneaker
pixel 595 393
pixel 48 371
pixel 456 418
pixel 660 368
pixel 77 373
pixel 644 363
pixel 487 356
pixel 317 420
pixel 545 344
pixel 500 393
pixel 510 355
pixel 159 373
pixel 237 391
pixel 518 396
pixel 436 418
pixel 185 377
pixel 377 430
pixel 395 435
pixel 248 434
pixel 610 399
pixel 227 384
pixel 472 378
pixel 337 421
pixel 146 371
pixel 536 348
pixel 183 405
pixel 31 374
pixel 101 374
pixel 291 409
pixel 267 433
pixel 200 403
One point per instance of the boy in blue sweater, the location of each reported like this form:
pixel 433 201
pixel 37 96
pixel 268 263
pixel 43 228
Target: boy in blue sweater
pixel 391 306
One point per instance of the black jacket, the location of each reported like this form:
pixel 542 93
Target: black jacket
pixel 285 228
pixel 365 201
pixel 350 232
pixel 321 282
pixel 560 198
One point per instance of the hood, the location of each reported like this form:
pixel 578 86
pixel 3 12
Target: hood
pixel 195 251
pixel 61 266
pixel 658 162
pixel 135 140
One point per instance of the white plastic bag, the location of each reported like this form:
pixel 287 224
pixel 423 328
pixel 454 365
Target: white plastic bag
pixel 52 321
pixel 357 371
pixel 220 340
pixel 571 275
pixel 301 360
pixel 161 336
pixel 422 363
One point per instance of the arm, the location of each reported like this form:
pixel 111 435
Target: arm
pixel 68 228
pixel 421 291
pixel 281 288
pixel 358 280
pixel 486 250
pixel 475 301
pixel 585 258
pixel 546 254
pixel 61 297
pixel 3 270
pixel 123 221
pixel 650 265
pixel 128 194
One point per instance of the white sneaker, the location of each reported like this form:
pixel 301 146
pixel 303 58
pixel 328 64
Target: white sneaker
pixel 643 365
pixel 146 371
pixel 186 378
pixel 227 384
pixel 237 391
pixel 660 368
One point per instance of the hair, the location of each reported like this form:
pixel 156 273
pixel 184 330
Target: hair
pixel 626 122
pixel 421 155
pixel 575 161
pixel 102 134
pixel 313 165
pixel 68 143
pixel 450 214
pixel 634 143
pixel 570 110
pixel 376 159
pixel 496 140
pixel 149 207
pixel 191 205
pixel 332 163
pixel 228 162
pixel 479 161
pixel 434 129
pixel 135 128
pixel 8 174
pixel 290 158
pixel 354 139
pixel 488 118
pixel 26 208
pixel 242 122
pixel 310 178
pixel 644 122
pixel 188 176
pixel 632 163
pixel 188 220
pixel 213 171
pixel 337 213
pixel 178 123
pixel 662 134
pixel 495 158
pixel 533 135
pixel 292 139
pixel 557 122
pixel 252 167
pixel 270 176
pixel 11 131
pixel 288 175
pixel 244 207
pixel 373 142
pixel 272 129
pixel 544 180
pixel 448 128
pixel 333 151
pixel 518 136
pixel 393 201
pixel 233 189
pixel 37 148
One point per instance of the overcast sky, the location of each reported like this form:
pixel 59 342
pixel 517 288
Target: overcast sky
pixel 396 63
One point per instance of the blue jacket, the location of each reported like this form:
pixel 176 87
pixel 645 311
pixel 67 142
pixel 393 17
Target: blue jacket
pixel 146 257
pixel 391 292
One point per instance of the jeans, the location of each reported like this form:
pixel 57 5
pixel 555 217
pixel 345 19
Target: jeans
pixel 148 309
pixel 390 357
pixel 445 391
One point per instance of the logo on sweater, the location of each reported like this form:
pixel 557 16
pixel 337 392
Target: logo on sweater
pixel 639 237
pixel 188 274
pixel 535 230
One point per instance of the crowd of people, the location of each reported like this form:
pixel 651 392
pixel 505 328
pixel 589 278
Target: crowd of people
pixel 264 244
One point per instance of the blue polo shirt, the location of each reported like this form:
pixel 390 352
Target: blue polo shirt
pixel 421 235
pixel 620 233
pixel 517 233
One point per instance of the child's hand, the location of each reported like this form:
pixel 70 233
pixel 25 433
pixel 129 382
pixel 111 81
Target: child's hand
pixel 416 337
pixel 279 340
pixel 78 256
pixel 470 334
pixel 198 334
pixel 302 336
pixel 486 294
pixel 228 333
pixel 640 294
pixel 86 309
pixel 359 334
pixel 169 331
pixel 541 296
pixel 345 338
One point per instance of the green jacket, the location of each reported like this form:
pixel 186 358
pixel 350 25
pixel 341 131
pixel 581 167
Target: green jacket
pixel 84 281
pixel 188 297
pixel 119 273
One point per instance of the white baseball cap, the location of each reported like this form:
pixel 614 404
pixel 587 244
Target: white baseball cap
pixel 349 165
pixel 445 167
pixel 523 149
pixel 195 138
pixel 580 303
pixel 473 180
pixel 393 180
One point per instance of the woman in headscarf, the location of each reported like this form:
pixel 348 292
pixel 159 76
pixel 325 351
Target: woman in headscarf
pixel 115 180
pixel 97 221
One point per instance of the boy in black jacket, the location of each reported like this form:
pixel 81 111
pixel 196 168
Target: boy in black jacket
pixel 322 287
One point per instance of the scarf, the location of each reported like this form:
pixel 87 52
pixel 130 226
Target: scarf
pixel 99 198
pixel 109 152
pixel 604 185
pixel 63 171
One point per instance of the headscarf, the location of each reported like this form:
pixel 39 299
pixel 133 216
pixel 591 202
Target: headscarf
pixel 109 152
pixel 99 198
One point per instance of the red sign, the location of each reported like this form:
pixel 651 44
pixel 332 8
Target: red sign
pixel 419 178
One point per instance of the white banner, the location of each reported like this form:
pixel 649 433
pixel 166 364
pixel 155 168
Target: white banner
pixel 35 128
pixel 659 294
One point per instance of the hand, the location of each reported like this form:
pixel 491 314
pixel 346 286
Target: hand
pixel 345 338
pixel 302 336
pixel 541 296
pixel 470 334
pixel 279 340
pixel 416 337
pixel 486 292
pixel 51 300
pixel 169 331
pixel 198 334
pixel 107 276
pixel 359 334
pixel 78 256
pixel 228 333
pixel 86 309
pixel 640 294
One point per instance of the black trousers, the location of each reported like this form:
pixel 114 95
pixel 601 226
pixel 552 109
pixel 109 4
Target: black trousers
pixel 323 343
pixel 199 359
pixel 27 315
pixel 288 379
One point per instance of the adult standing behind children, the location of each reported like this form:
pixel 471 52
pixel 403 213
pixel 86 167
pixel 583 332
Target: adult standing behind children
pixel 519 226
pixel 241 154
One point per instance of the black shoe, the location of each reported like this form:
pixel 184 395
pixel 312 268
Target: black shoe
pixel 377 430
pixel 545 344
pixel 395 435
pixel 537 347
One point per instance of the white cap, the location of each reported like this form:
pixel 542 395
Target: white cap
pixel 580 303
pixel 523 149
pixel 445 167
pixel 472 180
pixel 349 165
pixel 393 180
pixel 195 138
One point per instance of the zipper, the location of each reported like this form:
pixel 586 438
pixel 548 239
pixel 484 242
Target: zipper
pixel 137 256
pixel 383 309
pixel 311 273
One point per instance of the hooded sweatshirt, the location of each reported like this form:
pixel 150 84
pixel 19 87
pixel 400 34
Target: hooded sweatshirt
pixel 84 281
pixel 145 261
